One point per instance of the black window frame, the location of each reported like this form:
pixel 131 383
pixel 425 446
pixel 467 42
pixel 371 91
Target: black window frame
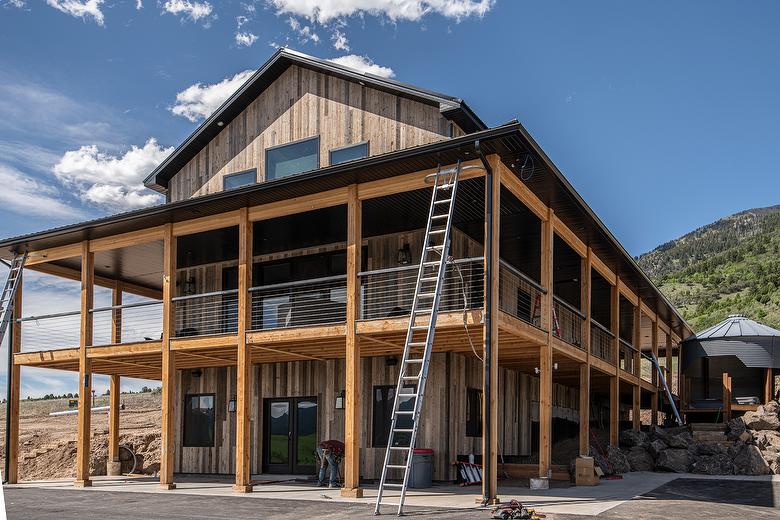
pixel 237 174
pixel 380 422
pixel 347 147
pixel 474 424
pixel 293 143
pixel 189 443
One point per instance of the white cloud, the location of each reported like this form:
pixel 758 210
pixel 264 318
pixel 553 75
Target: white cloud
pixel 363 64
pixel 200 101
pixel 245 39
pixel 305 32
pixel 139 4
pixel 112 181
pixel 323 11
pixel 14 3
pixel 80 8
pixel 340 41
pixel 193 10
pixel 27 195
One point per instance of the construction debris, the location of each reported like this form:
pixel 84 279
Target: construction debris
pixel 514 510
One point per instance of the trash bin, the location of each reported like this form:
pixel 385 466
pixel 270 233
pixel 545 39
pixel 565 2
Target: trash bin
pixel 421 474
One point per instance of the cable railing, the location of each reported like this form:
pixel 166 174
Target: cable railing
pixel 139 321
pixel 51 331
pixel 602 342
pixel 626 360
pixel 207 313
pixel 519 295
pixel 567 322
pixel 646 367
pixel 388 293
pixel 318 301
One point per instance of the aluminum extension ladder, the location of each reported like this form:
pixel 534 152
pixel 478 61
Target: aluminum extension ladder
pixel 419 335
pixel 666 386
pixel 9 291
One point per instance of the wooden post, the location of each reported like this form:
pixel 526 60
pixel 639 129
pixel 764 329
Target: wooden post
pixel 636 408
pixel 114 388
pixel 15 340
pixel 490 339
pixel 768 385
pixel 637 341
pixel 614 381
pixel 244 357
pixel 654 377
pixel 168 360
pixel 585 367
pixel 545 351
pixel 354 378
pixel 726 397
pixel 84 431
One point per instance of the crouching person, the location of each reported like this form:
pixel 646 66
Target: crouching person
pixel 330 453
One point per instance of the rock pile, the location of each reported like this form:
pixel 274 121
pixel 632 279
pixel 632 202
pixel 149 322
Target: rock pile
pixel 752 448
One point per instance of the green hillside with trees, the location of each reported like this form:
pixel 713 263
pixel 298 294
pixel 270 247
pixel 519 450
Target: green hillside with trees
pixel 731 266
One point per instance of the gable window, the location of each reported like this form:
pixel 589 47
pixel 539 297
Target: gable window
pixel 236 180
pixel 289 159
pixel 473 412
pixel 199 421
pixel 382 410
pixel 349 153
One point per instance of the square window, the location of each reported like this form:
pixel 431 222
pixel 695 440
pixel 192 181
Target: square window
pixel 349 153
pixel 236 180
pixel 289 159
pixel 199 421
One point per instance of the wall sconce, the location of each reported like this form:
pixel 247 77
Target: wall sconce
pixel 405 255
pixel 555 366
pixel 391 361
pixel 189 286
pixel 340 400
pixel 536 370
pixel 232 405
pixel 196 372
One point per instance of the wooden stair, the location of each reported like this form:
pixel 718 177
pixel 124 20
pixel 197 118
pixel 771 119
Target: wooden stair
pixel 709 433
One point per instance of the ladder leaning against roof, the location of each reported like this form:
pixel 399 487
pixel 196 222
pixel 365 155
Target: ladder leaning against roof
pixel 419 336
pixel 9 291
pixel 666 387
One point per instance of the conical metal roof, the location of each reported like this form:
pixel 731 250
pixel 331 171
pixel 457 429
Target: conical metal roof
pixel 736 325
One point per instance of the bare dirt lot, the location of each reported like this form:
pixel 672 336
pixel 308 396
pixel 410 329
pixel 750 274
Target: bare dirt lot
pixel 48 444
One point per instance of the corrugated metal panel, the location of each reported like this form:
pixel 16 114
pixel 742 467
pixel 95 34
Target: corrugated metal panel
pixel 753 352
pixel 737 325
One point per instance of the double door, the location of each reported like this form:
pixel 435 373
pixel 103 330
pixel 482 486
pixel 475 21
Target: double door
pixel 290 435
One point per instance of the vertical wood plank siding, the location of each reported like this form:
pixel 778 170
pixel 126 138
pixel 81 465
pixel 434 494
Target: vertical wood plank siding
pixel 300 104
pixel 443 426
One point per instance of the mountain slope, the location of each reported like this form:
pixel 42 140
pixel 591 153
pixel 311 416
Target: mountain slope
pixel 727 267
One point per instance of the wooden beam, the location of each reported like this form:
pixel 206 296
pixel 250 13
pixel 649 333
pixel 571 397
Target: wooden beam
pixel 410 181
pixel 523 193
pixel 585 297
pixel 102 281
pixel 287 353
pixel 627 293
pixel 315 201
pixel 113 419
pixel 546 351
pixel 168 371
pixel 15 341
pixel 209 223
pixel 354 380
pixel 132 238
pixel 614 409
pixel 603 270
pixel 243 356
pixel 85 375
pixel 636 405
pixel 655 380
pixel 568 236
pixel 726 397
pixel 54 253
pixel 490 335
pixel 648 312
pixel 768 385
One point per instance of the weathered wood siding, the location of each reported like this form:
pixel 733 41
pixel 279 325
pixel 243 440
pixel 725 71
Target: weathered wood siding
pixel 301 104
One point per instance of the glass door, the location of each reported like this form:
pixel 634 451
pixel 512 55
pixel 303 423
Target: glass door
pixel 290 439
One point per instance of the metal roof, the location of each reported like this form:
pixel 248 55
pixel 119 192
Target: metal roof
pixel 511 142
pixel 452 108
pixel 736 325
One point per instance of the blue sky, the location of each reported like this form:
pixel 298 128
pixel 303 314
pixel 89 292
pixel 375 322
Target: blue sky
pixel 663 115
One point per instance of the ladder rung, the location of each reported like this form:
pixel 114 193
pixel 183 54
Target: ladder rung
pixel 403 430
pixel 431 263
pixel 439 217
pixel 404 412
pixel 417 344
pixel 444 186
pixel 442 201
pixel 395 466
pixel 408 395
pixel 398 448
pixel 390 484
pixel 437 231
pixel 419 327
pixel 412 378
pixel 416 361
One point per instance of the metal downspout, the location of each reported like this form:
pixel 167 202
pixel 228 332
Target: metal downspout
pixel 487 468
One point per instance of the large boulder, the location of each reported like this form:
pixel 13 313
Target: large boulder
pixel 748 461
pixel 639 459
pixel 709 448
pixel 735 428
pixel 766 439
pixel 682 440
pixel 631 438
pixel 674 459
pixel 720 464
pixel 761 419
pixel 772 407
pixel 656 447
pixel 618 460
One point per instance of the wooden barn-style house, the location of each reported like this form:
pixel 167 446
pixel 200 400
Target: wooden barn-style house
pixel 271 293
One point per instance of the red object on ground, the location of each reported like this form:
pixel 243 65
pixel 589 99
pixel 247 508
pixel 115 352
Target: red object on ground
pixel 423 451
